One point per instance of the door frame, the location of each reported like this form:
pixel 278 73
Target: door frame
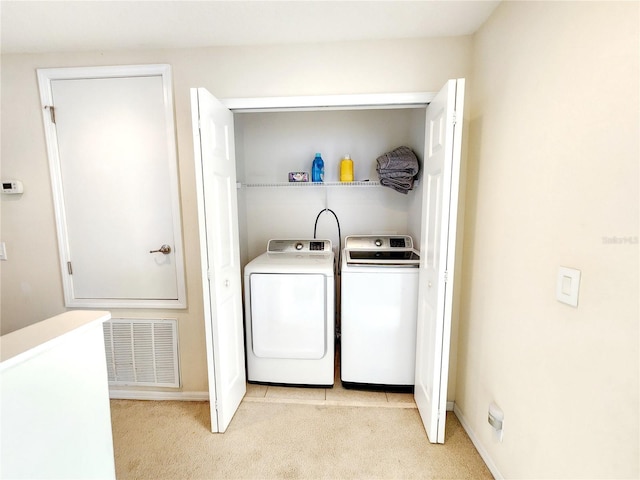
pixel 45 77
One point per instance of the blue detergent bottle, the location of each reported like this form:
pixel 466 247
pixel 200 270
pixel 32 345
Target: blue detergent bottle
pixel 317 169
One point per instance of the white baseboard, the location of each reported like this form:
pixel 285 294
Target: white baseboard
pixel 476 442
pixel 158 395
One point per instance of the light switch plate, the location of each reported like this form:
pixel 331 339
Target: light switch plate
pixel 3 251
pixel 568 286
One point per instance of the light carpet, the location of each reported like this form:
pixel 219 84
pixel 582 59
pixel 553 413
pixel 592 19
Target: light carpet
pixel 171 440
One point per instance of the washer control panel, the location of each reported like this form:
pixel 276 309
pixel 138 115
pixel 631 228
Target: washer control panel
pixel 381 242
pixel 389 250
pixel 299 246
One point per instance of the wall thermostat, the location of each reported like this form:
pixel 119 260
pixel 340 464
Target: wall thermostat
pixel 12 186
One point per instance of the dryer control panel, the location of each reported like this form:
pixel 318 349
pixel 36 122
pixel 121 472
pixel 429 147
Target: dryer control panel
pixel 299 246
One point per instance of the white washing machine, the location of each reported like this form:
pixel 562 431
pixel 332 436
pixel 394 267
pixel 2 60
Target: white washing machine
pixel 379 304
pixel 289 313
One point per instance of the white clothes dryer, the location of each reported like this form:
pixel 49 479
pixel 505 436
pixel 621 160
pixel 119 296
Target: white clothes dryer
pixel 289 314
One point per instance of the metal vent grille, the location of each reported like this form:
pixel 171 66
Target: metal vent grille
pixel 142 352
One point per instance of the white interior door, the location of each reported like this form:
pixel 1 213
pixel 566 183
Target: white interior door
pixel 440 177
pixel 220 255
pixel 112 153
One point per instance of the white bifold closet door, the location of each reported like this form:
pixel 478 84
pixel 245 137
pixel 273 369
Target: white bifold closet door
pixel 215 164
pixel 441 179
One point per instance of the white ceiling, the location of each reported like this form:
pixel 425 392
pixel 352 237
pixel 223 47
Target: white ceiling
pixel 71 26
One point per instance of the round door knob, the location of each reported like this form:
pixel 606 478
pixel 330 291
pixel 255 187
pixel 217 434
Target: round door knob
pixel 378 242
pixel 299 246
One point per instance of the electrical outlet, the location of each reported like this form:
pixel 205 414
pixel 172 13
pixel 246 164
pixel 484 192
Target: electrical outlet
pixel 496 420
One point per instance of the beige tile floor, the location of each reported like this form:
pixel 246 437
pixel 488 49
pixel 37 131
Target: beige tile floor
pixel 338 395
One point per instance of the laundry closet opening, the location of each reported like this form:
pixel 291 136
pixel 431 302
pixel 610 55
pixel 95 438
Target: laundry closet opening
pixel 269 145
pixel 267 139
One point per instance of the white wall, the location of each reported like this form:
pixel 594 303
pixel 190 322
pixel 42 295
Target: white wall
pixel 31 285
pixel 553 174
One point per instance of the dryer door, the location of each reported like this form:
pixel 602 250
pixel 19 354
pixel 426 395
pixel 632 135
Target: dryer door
pixel 288 315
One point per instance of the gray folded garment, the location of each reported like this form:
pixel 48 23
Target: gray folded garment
pixel 398 168
pixel 395 174
pixel 402 185
pixel 401 159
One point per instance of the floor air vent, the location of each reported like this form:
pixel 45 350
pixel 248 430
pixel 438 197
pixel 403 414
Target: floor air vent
pixel 142 352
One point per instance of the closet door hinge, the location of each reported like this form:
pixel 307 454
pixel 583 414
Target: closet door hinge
pixel 52 112
pixel 454 118
pixel 446 276
pixel 69 269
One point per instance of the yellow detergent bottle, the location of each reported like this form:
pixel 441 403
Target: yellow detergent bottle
pixel 346 169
